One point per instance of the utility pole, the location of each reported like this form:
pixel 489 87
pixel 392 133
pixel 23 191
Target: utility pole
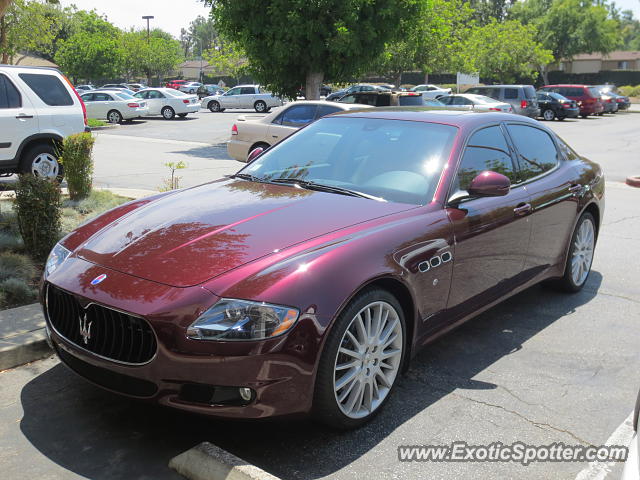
pixel 147 18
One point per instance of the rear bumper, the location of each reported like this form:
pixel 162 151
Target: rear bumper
pixel 568 112
pixel 191 108
pixel 238 149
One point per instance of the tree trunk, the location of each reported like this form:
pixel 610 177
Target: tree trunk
pixel 545 74
pixel 3 41
pixel 426 78
pixel 312 85
pixel 4 4
pixel 398 80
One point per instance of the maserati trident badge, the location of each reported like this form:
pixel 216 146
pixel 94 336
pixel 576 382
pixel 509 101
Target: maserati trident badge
pixel 85 328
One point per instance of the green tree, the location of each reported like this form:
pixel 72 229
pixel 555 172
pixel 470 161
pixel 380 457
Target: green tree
pixel 629 30
pixel 203 36
pixel 228 61
pixel 569 27
pixel 90 56
pixel 506 50
pixel 133 53
pixel 25 26
pixel 161 55
pixel 290 43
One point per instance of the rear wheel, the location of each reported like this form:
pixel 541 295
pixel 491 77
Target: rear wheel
pixel 42 161
pixel 260 106
pixel 360 361
pixel 580 255
pixel 114 116
pixel 548 115
pixel 168 113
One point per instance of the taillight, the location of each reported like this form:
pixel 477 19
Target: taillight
pixel 413 94
pixel 566 105
pixel 133 105
pixel 186 101
pixel 494 109
pixel 84 109
pixel 524 104
pixel 234 130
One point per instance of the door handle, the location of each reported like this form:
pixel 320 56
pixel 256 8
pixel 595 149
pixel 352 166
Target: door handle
pixel 575 188
pixel 522 210
pixel 23 115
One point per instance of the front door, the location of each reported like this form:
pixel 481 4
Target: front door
pixel 231 99
pixel 491 233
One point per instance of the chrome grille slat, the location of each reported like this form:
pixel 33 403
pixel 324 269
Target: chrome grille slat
pixel 114 335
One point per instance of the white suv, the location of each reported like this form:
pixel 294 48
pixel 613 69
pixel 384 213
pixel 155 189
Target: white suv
pixel 38 108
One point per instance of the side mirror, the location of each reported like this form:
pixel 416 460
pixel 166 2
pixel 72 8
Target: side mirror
pixel 255 153
pixel 489 184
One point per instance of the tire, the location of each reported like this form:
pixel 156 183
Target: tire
pixel 168 113
pixel 114 116
pixel 584 234
pixel 42 161
pixel 584 116
pixel 260 106
pixel 214 106
pixel 365 378
pixel 182 115
pixel 549 115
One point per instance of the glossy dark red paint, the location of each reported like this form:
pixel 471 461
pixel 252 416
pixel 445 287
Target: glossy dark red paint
pixel 171 257
pixel 489 184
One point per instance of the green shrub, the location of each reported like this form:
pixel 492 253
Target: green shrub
pixel 630 91
pixel 78 164
pixel 14 265
pixel 93 122
pixel 37 206
pixel 10 241
pixel 16 291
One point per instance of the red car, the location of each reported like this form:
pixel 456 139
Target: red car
pixel 175 84
pixel 588 98
pixel 306 282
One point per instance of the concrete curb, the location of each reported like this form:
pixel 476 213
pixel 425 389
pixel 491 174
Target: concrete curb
pixel 22 336
pixel 633 181
pixel 208 462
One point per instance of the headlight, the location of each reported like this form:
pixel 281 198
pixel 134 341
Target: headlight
pixel 57 256
pixel 242 320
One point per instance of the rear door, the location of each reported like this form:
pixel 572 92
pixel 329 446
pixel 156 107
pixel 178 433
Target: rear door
pixel 491 233
pixel 290 120
pixel 18 119
pixel 247 97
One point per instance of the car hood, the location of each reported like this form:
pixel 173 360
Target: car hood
pixel 188 237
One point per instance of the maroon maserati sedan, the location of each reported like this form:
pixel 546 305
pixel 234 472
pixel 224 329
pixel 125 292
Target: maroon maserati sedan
pixel 305 283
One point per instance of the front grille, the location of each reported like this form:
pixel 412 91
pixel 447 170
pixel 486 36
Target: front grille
pixel 111 334
pixel 108 379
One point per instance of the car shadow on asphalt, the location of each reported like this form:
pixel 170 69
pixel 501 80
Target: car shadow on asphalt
pixel 217 151
pixel 100 435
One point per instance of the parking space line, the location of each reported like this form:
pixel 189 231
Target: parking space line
pixel 621 436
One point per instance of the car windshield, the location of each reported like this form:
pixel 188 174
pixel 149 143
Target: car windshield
pixel 175 93
pixel 391 160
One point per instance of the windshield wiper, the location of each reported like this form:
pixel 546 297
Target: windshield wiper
pixel 247 176
pixel 326 188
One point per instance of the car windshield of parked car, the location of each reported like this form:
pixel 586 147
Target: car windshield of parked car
pixel 391 160
pixel 176 93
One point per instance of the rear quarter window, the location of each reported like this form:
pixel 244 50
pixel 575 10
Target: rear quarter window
pixel 529 92
pixel 48 88
pixel 510 93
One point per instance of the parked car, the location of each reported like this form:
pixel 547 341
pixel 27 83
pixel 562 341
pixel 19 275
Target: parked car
pixel 250 133
pixel 209 90
pixel 115 85
pixel 475 102
pixel 136 87
pixel 168 102
pixel 190 87
pixel 113 106
pixel 522 98
pixel 85 87
pixel 384 98
pixel 128 91
pixel 553 105
pixel 588 101
pixel 301 284
pixel 175 84
pixel 431 91
pixel 608 99
pixel 623 101
pixel 38 108
pixel 335 96
pixel 632 465
pixel 242 96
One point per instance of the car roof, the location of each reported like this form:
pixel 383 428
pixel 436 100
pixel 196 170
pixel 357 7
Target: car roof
pixel 459 118
pixel 504 86
pixel 575 85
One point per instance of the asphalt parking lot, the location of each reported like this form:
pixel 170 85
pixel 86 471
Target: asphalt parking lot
pixel 540 368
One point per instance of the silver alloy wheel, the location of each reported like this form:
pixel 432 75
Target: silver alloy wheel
pixel 214 106
pixel 368 360
pixel 260 106
pixel 582 257
pixel 114 117
pixel 46 166
pixel 548 115
pixel 167 113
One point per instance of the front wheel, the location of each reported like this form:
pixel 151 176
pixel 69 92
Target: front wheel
pixel 168 113
pixel 214 106
pixel 260 106
pixel 360 361
pixel 580 255
pixel 548 115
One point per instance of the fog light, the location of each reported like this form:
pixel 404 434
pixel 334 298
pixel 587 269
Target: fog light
pixel 245 393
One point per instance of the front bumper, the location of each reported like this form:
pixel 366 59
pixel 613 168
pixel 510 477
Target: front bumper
pixel 280 372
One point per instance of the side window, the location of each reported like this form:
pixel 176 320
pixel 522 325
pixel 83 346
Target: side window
pixel 567 151
pixel 379 100
pixel 299 116
pixel 142 95
pixel 537 151
pixel 88 97
pixel 247 91
pixel 367 89
pixel 9 95
pixel 326 110
pixel 486 150
pixel 101 97
pixel 155 94
pixel 447 100
pixel 461 101
pixel 233 91
pixel 49 88
pixel 510 93
pixel 351 98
